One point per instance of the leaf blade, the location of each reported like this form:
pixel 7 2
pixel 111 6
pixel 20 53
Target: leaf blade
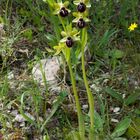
pixel 121 127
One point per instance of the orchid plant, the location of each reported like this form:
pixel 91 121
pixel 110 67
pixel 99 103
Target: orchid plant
pixel 70 36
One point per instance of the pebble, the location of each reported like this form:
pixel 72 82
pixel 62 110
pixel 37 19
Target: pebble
pixel 14 112
pixel 95 87
pixel 116 109
pixel 114 120
pixel 85 107
pixel 22 124
pixel 19 118
pixel 10 75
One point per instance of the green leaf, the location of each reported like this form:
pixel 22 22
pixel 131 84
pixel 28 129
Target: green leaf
pixel 84 37
pixel 106 37
pixel 121 127
pixel 1 20
pixel 22 110
pixel 56 104
pixel 51 39
pixel 134 128
pixel 28 34
pixel 117 54
pixel 114 94
pixel 98 121
pixel 46 137
pixel 102 106
pixel 120 138
pixel 50 2
pixel 132 98
pixel 49 50
pixel 66 51
pixel 73 136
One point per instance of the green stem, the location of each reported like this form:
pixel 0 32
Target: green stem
pixel 89 93
pixel 78 107
pixel 62 22
pixel 79 112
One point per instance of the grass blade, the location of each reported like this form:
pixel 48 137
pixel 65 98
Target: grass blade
pixel 114 94
pixel 55 107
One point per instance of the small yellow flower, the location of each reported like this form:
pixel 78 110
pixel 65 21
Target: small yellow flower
pixel 133 26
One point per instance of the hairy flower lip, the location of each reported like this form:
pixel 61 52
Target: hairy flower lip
pixel 63 12
pixel 69 42
pixel 81 7
pixel 81 23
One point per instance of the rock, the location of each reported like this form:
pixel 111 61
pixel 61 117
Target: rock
pixel 114 120
pixel 116 109
pixel 95 87
pixel 49 67
pixel 85 107
pixel 19 118
pixel 10 75
pixel 22 124
pixel 14 112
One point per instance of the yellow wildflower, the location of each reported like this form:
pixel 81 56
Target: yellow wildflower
pixel 133 26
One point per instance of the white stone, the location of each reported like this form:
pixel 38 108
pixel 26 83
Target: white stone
pixel 14 112
pixel 22 124
pixel 116 109
pixel 85 107
pixel 123 96
pixel 40 119
pixel 10 75
pixel 95 87
pixel 114 120
pixel 48 67
pixel 19 118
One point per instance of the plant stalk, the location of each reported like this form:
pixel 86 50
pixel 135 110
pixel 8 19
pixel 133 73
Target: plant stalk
pixel 79 112
pixel 78 107
pixel 89 93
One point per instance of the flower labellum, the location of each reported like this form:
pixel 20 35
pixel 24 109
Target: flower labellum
pixel 69 42
pixel 81 23
pixel 81 7
pixel 63 12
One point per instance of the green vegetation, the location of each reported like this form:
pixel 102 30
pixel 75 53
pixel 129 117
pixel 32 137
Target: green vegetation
pixel 98 44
